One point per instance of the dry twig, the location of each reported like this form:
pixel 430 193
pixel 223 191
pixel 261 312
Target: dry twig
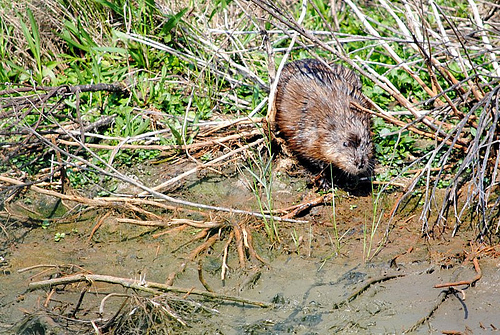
pixel 470 282
pixel 367 285
pixel 145 286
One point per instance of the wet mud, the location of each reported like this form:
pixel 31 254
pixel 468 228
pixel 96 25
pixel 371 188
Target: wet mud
pixel 327 276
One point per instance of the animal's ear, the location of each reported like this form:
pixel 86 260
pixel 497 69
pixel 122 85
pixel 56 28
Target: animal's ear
pixel 353 140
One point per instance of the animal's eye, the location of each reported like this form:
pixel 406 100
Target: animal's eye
pixel 346 144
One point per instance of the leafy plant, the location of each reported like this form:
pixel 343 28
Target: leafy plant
pixel 77 37
pixel 173 21
pixel 296 240
pixel 32 36
pixel 45 224
pixel 392 147
pixel 59 236
pixel 128 124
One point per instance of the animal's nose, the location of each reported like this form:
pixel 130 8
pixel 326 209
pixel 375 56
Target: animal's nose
pixel 360 163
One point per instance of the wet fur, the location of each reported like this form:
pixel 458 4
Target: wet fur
pixel 317 121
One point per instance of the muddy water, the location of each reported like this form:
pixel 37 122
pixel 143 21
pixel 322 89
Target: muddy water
pixel 389 307
pixel 306 277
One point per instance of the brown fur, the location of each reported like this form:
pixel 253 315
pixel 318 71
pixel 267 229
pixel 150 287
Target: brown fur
pixel 314 115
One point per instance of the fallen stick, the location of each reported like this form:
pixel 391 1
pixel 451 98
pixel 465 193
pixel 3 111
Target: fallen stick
pixel 471 282
pixel 63 90
pixel 429 315
pixel 164 147
pixel 101 202
pixel 140 286
pixel 365 287
pixel 144 223
pixel 297 209
pixel 199 167
pixel 461 145
pixel 83 200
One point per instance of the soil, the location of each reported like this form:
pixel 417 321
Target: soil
pixel 307 275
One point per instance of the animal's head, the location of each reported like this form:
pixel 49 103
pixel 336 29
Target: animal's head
pixel 348 145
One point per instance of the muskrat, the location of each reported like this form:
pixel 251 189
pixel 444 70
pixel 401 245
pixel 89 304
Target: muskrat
pixel 315 116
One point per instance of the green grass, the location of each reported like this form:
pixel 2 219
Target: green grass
pixel 370 230
pixel 261 184
pixel 87 56
pixel 32 36
pixel 336 241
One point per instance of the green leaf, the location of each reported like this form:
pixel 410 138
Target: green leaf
pixel 219 5
pixel 115 8
pixel 173 21
pixel 384 132
pixel 177 135
pixel 151 3
pixel 111 50
pixel 35 33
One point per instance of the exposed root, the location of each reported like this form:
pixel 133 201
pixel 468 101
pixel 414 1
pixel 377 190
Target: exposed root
pixel 224 266
pixel 170 231
pixel 239 245
pixel 238 233
pixel 202 279
pixel 140 285
pixel 367 285
pixel 97 225
pixel 470 282
pixel 249 245
pixel 298 209
pixel 444 296
pixel 207 244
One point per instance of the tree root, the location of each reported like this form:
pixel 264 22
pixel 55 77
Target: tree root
pixel 207 244
pixel 429 315
pixel 358 292
pixel 470 282
pixel 145 286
